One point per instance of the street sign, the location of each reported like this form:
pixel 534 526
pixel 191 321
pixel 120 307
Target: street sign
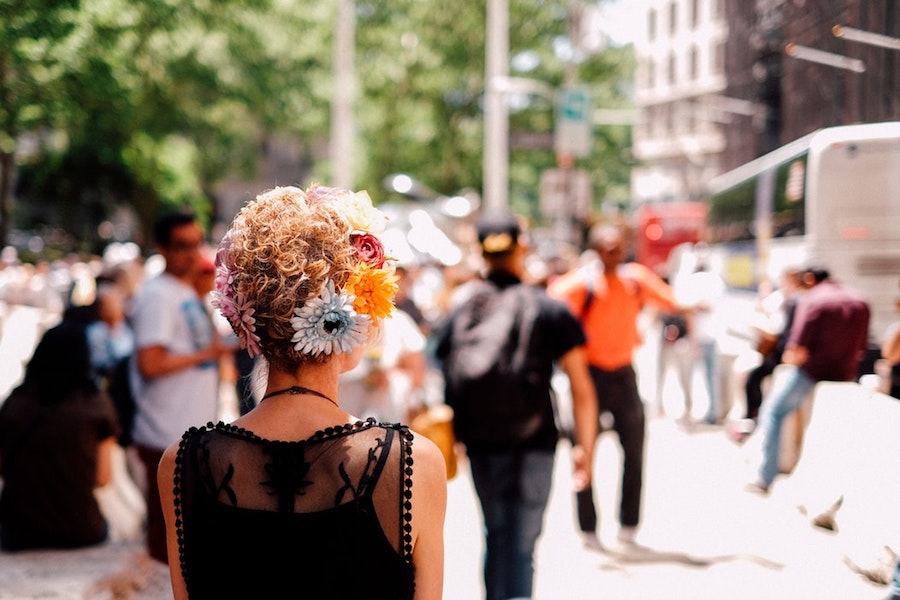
pixel 565 193
pixel 573 128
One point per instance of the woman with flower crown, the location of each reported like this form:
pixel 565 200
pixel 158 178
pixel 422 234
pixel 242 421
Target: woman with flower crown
pixel 301 497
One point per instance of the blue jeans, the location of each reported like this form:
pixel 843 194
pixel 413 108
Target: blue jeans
pixel 710 371
pixel 513 488
pixel 895 583
pixel 788 393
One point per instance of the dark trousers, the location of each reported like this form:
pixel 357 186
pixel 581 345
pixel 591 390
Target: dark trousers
pixel 156 524
pixel 513 489
pixel 617 393
pixel 753 386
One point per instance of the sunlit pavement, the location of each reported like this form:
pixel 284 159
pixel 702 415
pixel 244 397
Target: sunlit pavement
pixel 702 536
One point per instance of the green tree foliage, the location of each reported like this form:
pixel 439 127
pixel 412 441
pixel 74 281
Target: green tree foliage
pixel 421 70
pixel 150 104
pixel 154 100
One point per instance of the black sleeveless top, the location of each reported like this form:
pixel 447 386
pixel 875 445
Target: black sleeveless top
pixel 326 517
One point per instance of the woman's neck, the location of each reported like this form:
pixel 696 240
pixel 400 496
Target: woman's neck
pixel 323 378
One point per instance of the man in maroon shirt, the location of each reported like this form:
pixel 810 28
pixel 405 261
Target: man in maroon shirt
pixel 826 342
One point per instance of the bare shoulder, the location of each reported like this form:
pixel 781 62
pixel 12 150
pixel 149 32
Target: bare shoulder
pixel 167 462
pixel 428 461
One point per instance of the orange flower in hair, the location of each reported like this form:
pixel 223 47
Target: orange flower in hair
pixel 373 290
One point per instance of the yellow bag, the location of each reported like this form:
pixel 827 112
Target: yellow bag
pixel 436 423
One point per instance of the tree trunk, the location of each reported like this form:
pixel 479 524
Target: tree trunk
pixel 6 175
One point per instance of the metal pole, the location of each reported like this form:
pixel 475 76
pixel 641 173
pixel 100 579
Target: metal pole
pixel 496 119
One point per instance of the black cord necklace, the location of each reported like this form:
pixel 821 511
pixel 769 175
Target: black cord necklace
pixel 295 390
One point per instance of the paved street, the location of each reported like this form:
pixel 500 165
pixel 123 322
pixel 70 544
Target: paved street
pixel 703 536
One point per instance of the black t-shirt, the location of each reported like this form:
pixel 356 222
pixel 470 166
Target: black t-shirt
pixel 555 332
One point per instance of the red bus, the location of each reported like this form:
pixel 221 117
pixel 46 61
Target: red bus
pixel 660 226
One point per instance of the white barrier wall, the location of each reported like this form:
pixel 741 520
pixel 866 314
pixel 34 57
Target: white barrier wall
pixel 851 449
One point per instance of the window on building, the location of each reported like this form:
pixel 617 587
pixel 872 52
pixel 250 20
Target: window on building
pixel 694 66
pixel 651 24
pixel 660 129
pixel 651 74
pixel 672 69
pixel 695 13
pixel 718 59
pixel 673 18
pixel 718 7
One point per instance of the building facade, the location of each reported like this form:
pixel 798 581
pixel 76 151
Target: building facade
pixel 717 85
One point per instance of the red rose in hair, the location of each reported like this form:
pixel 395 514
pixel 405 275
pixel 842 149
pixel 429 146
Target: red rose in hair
pixel 369 248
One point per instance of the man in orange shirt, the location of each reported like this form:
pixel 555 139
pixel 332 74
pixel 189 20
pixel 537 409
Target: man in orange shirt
pixel 608 296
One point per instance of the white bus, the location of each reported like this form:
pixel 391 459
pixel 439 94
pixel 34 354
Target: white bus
pixel 832 198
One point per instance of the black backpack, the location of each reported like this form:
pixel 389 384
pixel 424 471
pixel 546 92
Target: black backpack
pixel 495 393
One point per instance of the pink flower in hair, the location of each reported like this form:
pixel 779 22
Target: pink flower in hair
pixel 234 307
pixel 369 248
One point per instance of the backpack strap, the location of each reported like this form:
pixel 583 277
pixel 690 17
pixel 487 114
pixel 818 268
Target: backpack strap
pixel 588 274
pixel 526 316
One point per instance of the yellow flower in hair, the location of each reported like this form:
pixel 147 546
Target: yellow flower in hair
pixel 373 291
pixel 357 208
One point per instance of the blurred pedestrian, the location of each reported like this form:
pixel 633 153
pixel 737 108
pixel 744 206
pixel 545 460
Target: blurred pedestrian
pixel 890 351
pixel 703 289
pixel 771 345
pixel 498 350
pixel 675 353
pixel 827 340
pixel 406 298
pixel 176 359
pixel 57 435
pixel 387 384
pixel 894 586
pixel 303 495
pixel 111 344
pixel 608 295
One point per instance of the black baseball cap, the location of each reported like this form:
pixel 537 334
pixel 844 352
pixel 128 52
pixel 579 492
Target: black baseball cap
pixel 498 231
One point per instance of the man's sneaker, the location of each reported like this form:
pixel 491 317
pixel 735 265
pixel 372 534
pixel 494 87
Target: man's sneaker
pixel 758 487
pixel 590 541
pixel 626 535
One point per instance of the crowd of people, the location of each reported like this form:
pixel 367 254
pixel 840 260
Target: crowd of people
pixel 332 352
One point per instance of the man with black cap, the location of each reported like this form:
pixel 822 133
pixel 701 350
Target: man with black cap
pixel 507 326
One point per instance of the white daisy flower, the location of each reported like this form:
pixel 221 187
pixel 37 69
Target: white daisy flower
pixel 329 324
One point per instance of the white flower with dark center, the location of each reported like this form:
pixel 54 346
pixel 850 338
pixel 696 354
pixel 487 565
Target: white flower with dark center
pixel 329 324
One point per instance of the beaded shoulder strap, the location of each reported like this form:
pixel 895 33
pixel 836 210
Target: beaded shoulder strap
pixel 406 471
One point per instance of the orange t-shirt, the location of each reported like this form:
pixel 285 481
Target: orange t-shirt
pixel 611 320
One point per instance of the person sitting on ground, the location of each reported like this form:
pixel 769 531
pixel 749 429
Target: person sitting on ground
pixel 57 435
pixel 308 496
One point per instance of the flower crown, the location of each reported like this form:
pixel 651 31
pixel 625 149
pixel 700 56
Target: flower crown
pixel 335 319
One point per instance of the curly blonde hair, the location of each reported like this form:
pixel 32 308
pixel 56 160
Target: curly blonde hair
pixel 285 246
